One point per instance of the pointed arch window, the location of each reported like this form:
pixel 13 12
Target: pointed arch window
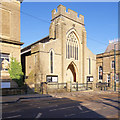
pixel 72 47
pixel 51 61
pixel 100 72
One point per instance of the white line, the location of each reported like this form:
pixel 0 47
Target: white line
pixel 13 116
pixel 62 108
pixel 80 107
pixel 39 107
pixel 69 115
pixel 38 115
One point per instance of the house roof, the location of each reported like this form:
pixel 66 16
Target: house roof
pixel 110 47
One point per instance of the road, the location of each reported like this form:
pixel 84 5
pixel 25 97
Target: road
pixel 85 105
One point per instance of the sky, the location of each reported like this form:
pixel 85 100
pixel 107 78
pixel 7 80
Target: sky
pixel 100 18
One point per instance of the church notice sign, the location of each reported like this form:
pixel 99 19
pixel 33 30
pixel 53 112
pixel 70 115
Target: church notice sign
pixel 51 78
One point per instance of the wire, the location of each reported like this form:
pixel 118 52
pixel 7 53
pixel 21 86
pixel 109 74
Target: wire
pixel 50 22
pixel 35 17
pixel 97 41
pixel 30 15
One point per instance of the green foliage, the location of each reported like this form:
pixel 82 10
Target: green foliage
pixel 15 71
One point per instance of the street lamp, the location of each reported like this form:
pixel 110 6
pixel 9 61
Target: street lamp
pixel 114 67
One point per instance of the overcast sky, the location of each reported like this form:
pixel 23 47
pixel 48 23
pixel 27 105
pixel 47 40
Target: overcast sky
pixel 101 21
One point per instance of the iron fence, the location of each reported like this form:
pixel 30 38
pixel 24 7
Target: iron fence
pixel 81 86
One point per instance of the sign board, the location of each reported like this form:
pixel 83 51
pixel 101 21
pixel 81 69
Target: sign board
pixel 54 79
pixel 5 84
pixel 91 79
pixel 51 78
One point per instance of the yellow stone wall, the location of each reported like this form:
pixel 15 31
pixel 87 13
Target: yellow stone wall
pixel 105 60
pixel 63 25
pixel 10 31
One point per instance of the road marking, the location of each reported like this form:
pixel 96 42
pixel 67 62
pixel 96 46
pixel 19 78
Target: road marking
pixel 62 108
pixel 80 107
pixel 38 115
pixel 38 107
pixel 13 116
pixel 69 115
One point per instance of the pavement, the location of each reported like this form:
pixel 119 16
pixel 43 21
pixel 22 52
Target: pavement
pixel 17 98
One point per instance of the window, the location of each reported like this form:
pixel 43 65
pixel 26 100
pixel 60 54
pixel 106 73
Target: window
pixel 4 61
pixel 113 64
pixel 72 46
pixel 5 16
pixel 51 61
pixel 89 66
pixel 77 52
pixel 66 51
pixel 108 80
pixel 100 73
pixel 73 51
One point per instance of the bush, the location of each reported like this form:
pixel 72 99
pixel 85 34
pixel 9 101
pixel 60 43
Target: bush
pixel 15 71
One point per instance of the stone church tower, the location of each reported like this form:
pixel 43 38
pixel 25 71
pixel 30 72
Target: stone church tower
pixel 63 56
pixel 9 37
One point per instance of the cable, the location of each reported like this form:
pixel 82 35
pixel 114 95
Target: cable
pixel 35 17
pixel 30 15
pixel 50 22
pixel 97 41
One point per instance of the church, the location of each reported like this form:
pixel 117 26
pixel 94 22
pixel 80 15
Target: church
pixel 62 56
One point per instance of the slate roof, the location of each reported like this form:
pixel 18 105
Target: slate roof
pixel 110 47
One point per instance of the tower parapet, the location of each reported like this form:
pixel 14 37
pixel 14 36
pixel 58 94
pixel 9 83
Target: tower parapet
pixel 61 11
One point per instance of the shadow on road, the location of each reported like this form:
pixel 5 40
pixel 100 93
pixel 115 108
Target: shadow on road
pixel 48 108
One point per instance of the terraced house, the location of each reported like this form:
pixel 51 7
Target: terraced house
pixel 62 56
pixel 108 65
pixel 9 39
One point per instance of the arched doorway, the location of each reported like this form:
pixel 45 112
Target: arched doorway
pixel 71 73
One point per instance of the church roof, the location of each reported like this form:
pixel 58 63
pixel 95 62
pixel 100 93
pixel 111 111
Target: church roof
pixel 110 47
pixel 43 40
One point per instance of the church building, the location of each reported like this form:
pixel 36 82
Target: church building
pixel 63 56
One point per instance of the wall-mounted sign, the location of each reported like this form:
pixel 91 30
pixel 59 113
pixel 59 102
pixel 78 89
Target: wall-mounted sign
pixel 89 78
pixel 5 84
pixel 54 79
pixel 51 78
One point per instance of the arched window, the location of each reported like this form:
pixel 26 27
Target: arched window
pixel 100 72
pixel 51 61
pixel 72 46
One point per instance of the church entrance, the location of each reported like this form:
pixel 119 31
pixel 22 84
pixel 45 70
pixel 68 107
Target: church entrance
pixel 71 73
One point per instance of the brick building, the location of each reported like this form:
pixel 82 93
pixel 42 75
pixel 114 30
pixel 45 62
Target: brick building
pixel 9 39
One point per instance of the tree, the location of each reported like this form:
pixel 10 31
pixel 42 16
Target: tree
pixel 15 71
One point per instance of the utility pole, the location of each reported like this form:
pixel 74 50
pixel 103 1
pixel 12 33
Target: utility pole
pixel 114 67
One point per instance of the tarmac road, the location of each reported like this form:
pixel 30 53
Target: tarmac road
pixel 76 105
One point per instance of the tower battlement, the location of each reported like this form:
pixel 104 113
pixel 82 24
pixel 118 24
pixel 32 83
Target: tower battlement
pixel 61 11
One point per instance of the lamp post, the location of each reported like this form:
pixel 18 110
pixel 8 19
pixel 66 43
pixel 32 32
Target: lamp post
pixel 114 67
